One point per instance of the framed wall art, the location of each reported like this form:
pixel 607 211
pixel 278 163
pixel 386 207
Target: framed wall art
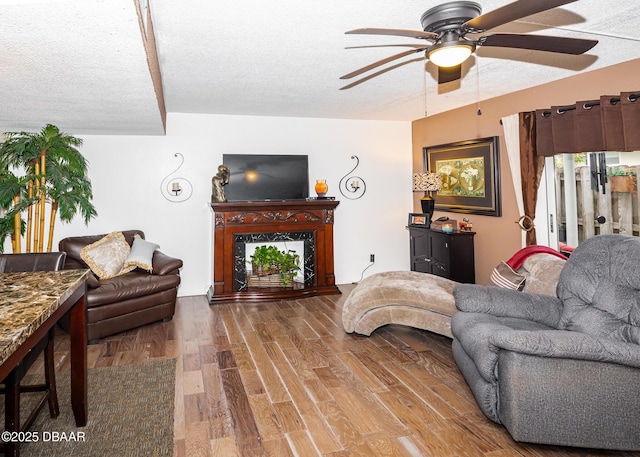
pixel 470 176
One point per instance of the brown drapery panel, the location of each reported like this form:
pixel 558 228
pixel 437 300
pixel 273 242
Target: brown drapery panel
pixel 563 129
pixel 531 167
pixel 611 123
pixel 588 126
pixel 631 120
pixel 612 130
pixel 544 134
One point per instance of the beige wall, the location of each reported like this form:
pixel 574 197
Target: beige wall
pixel 497 238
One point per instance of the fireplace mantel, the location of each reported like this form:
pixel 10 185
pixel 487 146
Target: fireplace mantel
pixel 307 221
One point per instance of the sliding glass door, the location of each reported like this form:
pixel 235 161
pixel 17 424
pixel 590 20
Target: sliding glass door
pixel 590 194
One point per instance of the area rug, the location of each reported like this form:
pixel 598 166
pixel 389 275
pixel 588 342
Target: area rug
pixel 130 414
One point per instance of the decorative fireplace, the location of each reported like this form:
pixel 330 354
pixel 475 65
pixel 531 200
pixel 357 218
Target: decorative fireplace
pixel 240 280
pixel 239 224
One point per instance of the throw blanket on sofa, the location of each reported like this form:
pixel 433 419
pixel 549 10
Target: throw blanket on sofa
pixel 519 257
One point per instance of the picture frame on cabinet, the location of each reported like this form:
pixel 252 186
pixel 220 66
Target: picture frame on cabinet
pixel 470 176
pixel 419 220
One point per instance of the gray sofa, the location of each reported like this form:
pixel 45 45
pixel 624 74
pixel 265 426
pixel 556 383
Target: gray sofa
pixel 559 370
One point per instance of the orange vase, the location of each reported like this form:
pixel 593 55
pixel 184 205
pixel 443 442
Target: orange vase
pixel 321 187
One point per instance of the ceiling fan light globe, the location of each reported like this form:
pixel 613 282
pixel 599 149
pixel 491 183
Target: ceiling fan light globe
pixel 450 56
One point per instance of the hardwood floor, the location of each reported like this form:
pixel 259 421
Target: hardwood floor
pixel 282 378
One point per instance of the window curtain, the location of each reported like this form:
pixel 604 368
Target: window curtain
pixel 531 167
pixel 588 126
pixel 611 123
pixel 511 127
pixel 630 107
pixel 563 129
pixel 526 168
pixel 544 133
pixel 612 129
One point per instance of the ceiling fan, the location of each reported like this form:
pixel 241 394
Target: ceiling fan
pixel 445 30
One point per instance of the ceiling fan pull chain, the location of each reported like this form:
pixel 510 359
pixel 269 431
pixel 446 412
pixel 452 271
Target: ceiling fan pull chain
pixel 424 81
pixel 478 83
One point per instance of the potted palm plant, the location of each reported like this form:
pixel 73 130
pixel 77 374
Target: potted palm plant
pixel 41 173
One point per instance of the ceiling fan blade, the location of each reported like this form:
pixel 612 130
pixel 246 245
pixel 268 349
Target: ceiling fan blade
pixel 538 43
pixel 416 46
pixel 510 12
pixel 382 62
pixel 394 32
pixel 380 72
pixel 448 74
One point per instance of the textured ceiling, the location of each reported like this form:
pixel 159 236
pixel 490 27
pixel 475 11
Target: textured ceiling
pixel 81 64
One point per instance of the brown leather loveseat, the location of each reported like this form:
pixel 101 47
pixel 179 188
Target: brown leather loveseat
pixel 129 300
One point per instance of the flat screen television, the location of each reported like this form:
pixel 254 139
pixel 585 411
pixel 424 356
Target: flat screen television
pixel 266 177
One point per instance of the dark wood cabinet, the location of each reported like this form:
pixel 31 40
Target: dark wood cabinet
pixel 450 255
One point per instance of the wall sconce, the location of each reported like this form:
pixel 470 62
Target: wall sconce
pixel 176 189
pixel 352 187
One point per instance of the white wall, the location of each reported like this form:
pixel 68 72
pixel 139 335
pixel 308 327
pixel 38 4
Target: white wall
pixel 126 172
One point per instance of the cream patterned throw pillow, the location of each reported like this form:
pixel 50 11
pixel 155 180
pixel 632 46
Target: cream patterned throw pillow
pixel 106 256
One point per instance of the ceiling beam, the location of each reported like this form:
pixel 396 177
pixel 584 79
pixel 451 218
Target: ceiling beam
pixel 149 42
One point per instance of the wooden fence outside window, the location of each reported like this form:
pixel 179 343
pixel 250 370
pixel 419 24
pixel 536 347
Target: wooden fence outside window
pixel 618 204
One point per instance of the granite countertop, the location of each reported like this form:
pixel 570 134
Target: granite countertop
pixel 28 299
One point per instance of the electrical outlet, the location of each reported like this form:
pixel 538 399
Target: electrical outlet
pixel 372 258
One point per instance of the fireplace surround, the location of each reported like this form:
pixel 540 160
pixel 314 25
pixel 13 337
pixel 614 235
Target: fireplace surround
pixel 238 223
